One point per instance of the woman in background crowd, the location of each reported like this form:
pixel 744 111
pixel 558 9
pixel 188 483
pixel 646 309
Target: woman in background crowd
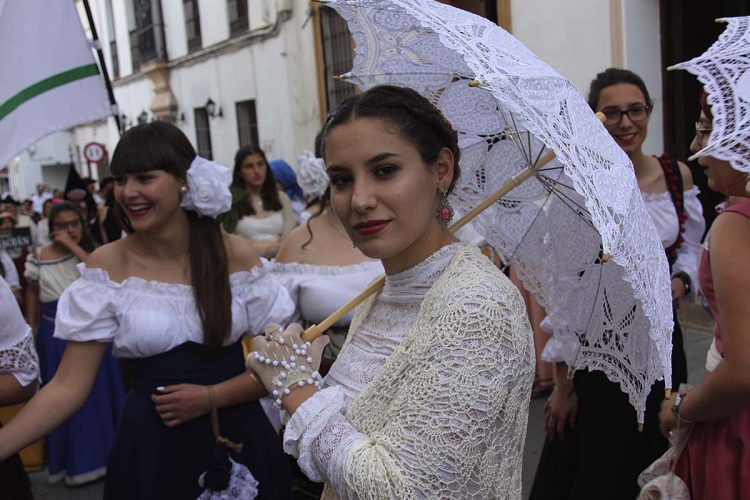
pixel 19 370
pixel 716 458
pixel 589 417
pixel 42 226
pixel 286 181
pixel 174 298
pixel 77 450
pixel 266 215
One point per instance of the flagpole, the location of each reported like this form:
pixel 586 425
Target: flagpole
pixel 103 66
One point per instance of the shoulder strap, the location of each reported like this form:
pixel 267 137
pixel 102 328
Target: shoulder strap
pixel 742 208
pixel 673 177
pixel 675 186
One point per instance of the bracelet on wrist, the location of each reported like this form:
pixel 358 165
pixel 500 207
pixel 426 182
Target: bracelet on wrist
pixel 686 281
pixel 676 409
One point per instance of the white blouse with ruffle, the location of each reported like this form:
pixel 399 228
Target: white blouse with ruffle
pixel 17 354
pixel 319 290
pixel 54 276
pixel 662 212
pixel 143 318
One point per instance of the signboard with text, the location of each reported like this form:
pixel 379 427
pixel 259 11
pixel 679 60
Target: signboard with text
pixel 18 237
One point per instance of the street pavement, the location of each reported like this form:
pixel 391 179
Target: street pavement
pixel 696 326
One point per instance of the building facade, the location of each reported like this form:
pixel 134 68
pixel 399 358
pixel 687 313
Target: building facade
pixel 236 72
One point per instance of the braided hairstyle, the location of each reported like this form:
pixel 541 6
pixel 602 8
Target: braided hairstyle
pixel 417 119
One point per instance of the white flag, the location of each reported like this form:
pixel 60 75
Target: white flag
pixel 49 80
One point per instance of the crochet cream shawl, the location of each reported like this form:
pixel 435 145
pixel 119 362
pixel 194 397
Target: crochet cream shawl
pixel 447 413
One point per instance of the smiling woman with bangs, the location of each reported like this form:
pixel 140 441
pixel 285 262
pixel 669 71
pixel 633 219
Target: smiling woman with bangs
pixel 174 298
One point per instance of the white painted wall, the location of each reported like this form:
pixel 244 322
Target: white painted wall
pixel 642 51
pixel 572 36
pixel 41 164
pixel 174 29
pixel 279 73
pixel 214 22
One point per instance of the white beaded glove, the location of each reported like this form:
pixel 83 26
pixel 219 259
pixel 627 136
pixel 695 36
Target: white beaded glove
pixel 284 361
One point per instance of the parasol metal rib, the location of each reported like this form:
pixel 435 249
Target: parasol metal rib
pixel 315 331
pixel 696 155
pixel 510 185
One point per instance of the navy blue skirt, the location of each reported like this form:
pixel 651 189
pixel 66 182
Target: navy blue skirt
pixel 78 448
pixel 151 461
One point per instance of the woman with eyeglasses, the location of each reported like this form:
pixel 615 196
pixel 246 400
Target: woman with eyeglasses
pixel 594 444
pixel 712 420
pixel 78 449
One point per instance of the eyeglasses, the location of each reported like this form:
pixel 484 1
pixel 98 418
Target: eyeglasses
pixel 62 225
pixel 702 132
pixel 613 116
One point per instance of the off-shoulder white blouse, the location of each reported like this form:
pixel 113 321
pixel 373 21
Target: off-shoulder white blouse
pixel 144 318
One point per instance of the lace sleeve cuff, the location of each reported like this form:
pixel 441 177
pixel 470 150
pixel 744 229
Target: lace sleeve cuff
pixel 20 360
pixel 306 432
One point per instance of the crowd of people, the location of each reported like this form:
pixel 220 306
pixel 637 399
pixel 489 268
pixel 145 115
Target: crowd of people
pixel 423 391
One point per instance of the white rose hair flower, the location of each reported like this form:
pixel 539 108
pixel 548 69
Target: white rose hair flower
pixel 311 175
pixel 208 188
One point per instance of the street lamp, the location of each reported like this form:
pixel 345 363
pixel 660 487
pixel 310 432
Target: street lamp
pixel 211 109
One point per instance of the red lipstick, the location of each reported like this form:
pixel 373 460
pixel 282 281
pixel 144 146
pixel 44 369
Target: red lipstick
pixel 370 227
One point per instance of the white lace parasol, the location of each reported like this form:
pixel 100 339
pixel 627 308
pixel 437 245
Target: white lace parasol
pixel 554 227
pixel 724 71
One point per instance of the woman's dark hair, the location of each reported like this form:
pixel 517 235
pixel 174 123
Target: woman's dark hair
pixel 320 205
pixel 161 146
pixel 613 76
pixel 87 241
pixel 269 193
pixel 705 106
pixel 418 120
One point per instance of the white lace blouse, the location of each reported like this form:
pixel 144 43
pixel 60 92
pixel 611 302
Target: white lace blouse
pixel 662 212
pixel 324 439
pixel 319 290
pixel 143 318
pixel 17 353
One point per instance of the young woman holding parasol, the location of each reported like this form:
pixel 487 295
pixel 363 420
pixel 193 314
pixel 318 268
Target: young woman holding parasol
pixel 440 355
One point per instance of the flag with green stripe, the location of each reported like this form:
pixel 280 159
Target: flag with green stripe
pixel 49 79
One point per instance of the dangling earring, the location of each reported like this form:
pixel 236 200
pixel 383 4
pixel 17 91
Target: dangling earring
pixel 445 210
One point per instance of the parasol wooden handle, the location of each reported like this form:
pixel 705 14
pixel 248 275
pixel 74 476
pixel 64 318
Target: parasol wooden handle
pixel 315 331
